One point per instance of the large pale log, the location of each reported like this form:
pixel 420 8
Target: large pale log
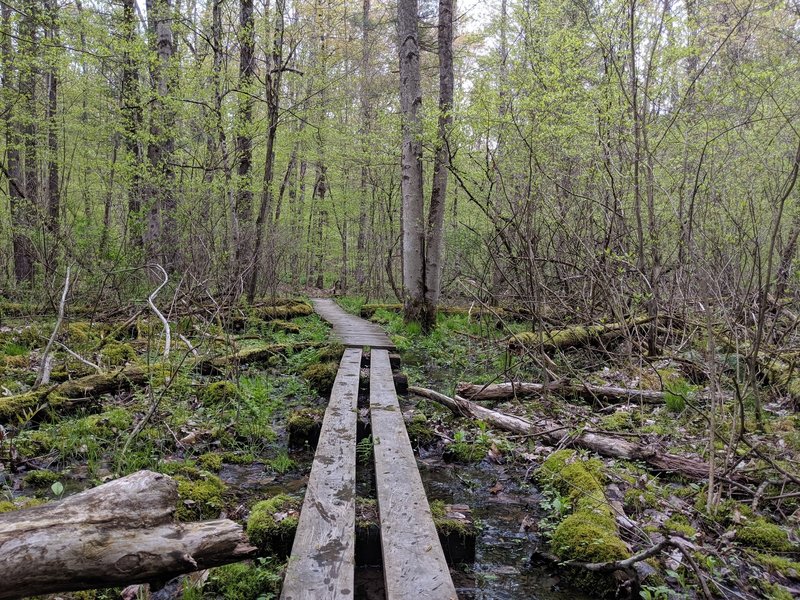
pixel 119 533
pixel 556 434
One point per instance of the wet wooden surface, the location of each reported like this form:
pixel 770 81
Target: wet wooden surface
pixel 349 329
pixel 323 555
pixel 413 561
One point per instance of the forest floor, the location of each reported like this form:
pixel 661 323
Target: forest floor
pixel 222 427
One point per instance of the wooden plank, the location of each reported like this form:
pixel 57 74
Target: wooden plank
pixel 413 561
pixel 323 554
pixel 349 329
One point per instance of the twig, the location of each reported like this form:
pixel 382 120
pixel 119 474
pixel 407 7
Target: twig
pixel 79 357
pixel 43 377
pixel 167 332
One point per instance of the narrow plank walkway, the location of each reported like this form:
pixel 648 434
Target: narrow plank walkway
pixel 350 330
pixel 413 561
pixel 323 554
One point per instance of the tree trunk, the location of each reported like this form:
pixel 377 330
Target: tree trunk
pixel 434 236
pixel 244 138
pixel 161 237
pixel 53 192
pixel 132 123
pixel 273 88
pixel 119 533
pixel 413 225
pixel 366 127
pixel 558 434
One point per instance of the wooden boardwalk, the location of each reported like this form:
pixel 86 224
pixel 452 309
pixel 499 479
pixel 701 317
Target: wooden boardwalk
pixel 350 330
pixel 413 560
pixel 323 554
pixel 321 566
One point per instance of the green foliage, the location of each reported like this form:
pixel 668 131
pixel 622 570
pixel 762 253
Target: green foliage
pixel 365 451
pixel 260 580
pixel 420 431
pixel 465 450
pixel 41 479
pixel 282 464
pixel 14 349
pixel 676 392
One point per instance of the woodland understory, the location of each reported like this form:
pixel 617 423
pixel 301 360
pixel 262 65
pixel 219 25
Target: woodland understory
pixel 578 220
pixel 219 412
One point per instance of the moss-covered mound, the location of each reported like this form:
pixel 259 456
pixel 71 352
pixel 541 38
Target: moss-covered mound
pixel 272 524
pixel 321 376
pixel 303 427
pixel 219 392
pixel 590 533
pixel 420 431
pixel 763 535
pixel 115 354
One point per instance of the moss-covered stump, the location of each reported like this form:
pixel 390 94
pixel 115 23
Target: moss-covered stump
pixel 321 376
pixel 272 524
pixel 420 431
pixel 303 427
pixel 590 533
pixel 457 531
pixel 219 393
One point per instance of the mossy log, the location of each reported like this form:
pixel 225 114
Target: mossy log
pixel 72 394
pixel 572 337
pixel 505 391
pixel 558 434
pixel 277 312
pixel 248 356
pixel 119 533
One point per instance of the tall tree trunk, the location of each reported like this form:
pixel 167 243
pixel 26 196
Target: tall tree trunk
pixel 273 87
pixel 244 138
pixel 53 192
pixel 366 127
pixel 413 225
pixel 161 238
pixel 132 122
pixel 434 237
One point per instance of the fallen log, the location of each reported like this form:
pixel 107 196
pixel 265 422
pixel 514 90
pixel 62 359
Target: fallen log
pixel 572 337
pixel 606 393
pixel 119 533
pixel 558 434
pixel 84 391
pixel 585 391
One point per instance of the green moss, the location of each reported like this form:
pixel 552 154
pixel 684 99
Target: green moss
pixel 239 459
pixel 678 523
pixel 301 422
pixel 219 392
pixel 117 354
pixel 41 479
pixel 466 452
pixel 763 535
pixel 638 500
pixel 6 506
pixel 774 591
pixel 272 522
pixel 447 525
pixel 245 581
pixel 619 421
pixel 20 503
pixel 420 431
pixel 80 332
pixel 332 352
pixel 201 499
pixel 321 376
pixel 210 461
pixel 783 565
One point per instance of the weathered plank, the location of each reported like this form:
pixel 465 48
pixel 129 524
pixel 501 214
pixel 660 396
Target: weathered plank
pixel 349 329
pixel 414 565
pixel 323 553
